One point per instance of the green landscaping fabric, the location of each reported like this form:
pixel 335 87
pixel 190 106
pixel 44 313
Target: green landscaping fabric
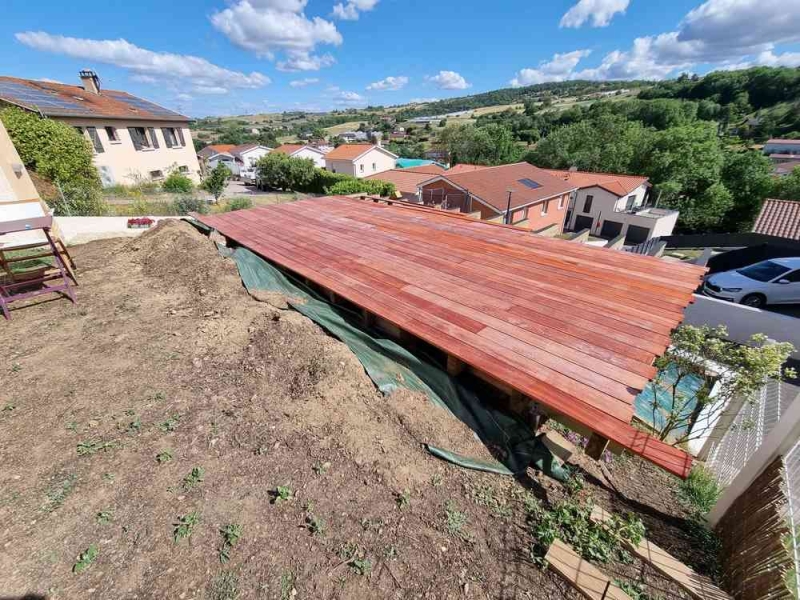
pixel 390 366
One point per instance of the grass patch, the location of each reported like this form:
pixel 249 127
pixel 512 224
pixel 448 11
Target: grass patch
pixel 86 558
pixel 184 526
pixel 59 491
pixel 94 446
pixel 454 518
pixel 194 478
pixel 225 586
pixel 104 517
pixel 315 525
pixel 230 537
pixel 283 493
pixel 287 585
pixel 170 424
pixel 164 457
pixel 403 499
pixel 700 490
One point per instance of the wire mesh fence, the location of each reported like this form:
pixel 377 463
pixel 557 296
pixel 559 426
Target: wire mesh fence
pixel 791 480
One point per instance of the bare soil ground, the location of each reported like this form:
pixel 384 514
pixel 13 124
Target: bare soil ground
pixel 166 365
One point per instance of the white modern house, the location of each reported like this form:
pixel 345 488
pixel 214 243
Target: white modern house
pixel 247 155
pixel 359 160
pixel 610 205
pixel 132 138
pixel 304 151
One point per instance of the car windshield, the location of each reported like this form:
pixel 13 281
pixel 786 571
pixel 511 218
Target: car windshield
pixel 765 271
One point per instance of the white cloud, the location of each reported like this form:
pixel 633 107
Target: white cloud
pixel 344 98
pixel 351 10
pixel 302 61
pixel 600 12
pixel 301 83
pixel 724 34
pixel 389 84
pixel 559 68
pixel 269 26
pixel 423 100
pixel 184 97
pixel 146 66
pixel 448 80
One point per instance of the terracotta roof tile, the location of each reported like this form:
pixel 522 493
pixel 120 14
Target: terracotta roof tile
pixel 405 180
pixel 530 184
pixel 349 151
pixel 619 185
pixel 427 169
pixel 60 100
pixel 465 168
pixel 289 148
pixel 780 218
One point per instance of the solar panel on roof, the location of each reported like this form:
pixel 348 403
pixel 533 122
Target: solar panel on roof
pixel 145 105
pixel 530 183
pixel 30 96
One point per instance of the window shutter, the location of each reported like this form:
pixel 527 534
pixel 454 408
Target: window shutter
pixel 153 137
pixel 180 135
pixel 98 145
pixel 137 143
pixel 167 138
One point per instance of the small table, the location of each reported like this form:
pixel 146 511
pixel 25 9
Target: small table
pixel 7 290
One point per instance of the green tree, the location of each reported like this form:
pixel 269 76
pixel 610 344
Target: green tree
pixel 53 149
pixel 748 176
pixel 787 187
pixel 489 145
pixel 361 186
pixel 178 183
pixel 216 180
pixel 737 370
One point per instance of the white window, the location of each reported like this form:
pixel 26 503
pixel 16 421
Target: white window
pixel 374 167
pixel 560 202
pixel 544 207
pixel 156 174
pixel 141 138
pixel 173 137
pixel 183 169
pixel 361 167
pixel 113 135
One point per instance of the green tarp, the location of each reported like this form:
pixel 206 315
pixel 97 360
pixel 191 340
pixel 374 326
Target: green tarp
pixel 391 366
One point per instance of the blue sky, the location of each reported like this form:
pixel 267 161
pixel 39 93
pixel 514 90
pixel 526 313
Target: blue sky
pixel 209 57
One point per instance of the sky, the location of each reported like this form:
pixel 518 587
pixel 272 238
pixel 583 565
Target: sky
pixel 220 57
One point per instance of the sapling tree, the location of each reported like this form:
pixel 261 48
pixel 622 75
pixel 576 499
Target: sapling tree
pixel 705 354
pixel 216 180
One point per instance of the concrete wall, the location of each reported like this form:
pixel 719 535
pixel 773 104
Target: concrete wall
pixel 13 187
pixel 79 230
pixel 742 321
pixel 121 163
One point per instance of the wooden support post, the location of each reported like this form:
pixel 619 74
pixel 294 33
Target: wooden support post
pixel 367 319
pixel 332 297
pixel 455 366
pixel 596 446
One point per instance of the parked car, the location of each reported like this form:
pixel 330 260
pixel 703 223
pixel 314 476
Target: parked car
pixel 774 281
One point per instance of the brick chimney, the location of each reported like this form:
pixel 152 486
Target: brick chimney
pixel 90 80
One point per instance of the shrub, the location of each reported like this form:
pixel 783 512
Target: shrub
pixel 183 205
pixel 700 490
pixel 216 180
pixel 53 149
pixel 75 200
pixel 352 185
pixel 177 183
pixel 240 203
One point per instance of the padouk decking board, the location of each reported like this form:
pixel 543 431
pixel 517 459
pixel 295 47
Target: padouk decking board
pixel 587 579
pixel 698 586
pixel 573 327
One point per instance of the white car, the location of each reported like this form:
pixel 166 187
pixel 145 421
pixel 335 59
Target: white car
pixel 774 281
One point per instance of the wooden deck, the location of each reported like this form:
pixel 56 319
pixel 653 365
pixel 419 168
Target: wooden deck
pixel 572 327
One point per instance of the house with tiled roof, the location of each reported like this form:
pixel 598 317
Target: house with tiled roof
pixel 779 218
pixel 519 194
pixel 465 168
pixel 359 160
pixel 304 151
pixel 609 205
pixel 132 138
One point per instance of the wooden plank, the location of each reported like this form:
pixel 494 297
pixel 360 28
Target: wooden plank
pixel 587 579
pixel 698 586
pixel 422 273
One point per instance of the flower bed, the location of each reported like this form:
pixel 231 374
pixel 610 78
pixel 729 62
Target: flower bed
pixel 140 223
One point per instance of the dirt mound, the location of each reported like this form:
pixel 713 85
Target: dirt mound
pixel 178 254
pixel 168 405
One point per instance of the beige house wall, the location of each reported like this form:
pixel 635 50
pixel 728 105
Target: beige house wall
pixel 341 166
pixel 121 163
pixel 373 161
pixel 13 187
